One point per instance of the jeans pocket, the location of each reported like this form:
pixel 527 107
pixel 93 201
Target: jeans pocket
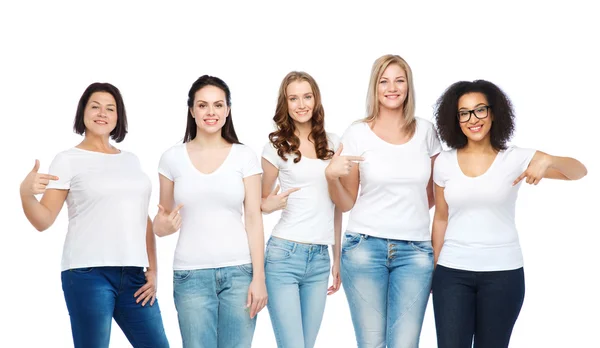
pixel 351 241
pixel 246 268
pixel 275 253
pixel 82 270
pixel 181 275
pixel 423 247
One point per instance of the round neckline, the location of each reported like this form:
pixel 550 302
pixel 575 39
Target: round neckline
pixel 189 159
pixel 98 152
pixel 478 176
pixel 370 130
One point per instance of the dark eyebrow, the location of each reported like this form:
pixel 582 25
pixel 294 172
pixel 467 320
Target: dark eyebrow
pixel 202 101
pixel 93 101
pixel 478 105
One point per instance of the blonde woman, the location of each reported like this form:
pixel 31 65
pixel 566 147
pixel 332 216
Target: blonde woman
pixel 387 257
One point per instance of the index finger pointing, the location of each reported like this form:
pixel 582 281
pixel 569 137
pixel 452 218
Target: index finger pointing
pixel 520 178
pixel 176 210
pixel 48 177
pixel 355 158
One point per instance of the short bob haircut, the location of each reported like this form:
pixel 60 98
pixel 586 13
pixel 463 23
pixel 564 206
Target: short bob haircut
pixel 502 114
pixel 228 131
pixel 117 134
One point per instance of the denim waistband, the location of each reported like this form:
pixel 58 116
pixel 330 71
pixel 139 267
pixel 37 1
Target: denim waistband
pixel 293 246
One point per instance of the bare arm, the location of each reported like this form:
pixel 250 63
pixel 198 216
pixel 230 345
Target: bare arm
pixel 151 247
pixel 167 220
pixel 543 165
pixel 257 293
pixel 337 233
pixel 440 222
pixel 430 195
pixel 147 293
pixel 42 214
pixel 344 190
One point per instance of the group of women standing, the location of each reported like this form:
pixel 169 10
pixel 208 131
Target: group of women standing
pixel 387 169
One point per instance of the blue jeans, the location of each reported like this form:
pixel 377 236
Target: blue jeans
pixel 297 276
pixel 211 307
pixel 478 308
pixel 96 295
pixel 387 283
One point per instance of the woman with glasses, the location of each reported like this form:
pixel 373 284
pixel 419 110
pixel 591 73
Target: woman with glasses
pixel 478 284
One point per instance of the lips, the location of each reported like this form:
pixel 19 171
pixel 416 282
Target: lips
pixel 211 121
pixel 475 129
pixel 100 122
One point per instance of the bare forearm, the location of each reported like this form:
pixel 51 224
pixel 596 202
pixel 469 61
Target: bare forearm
pixel 437 237
pixel 339 195
pixel 256 242
pixel 151 246
pixel 569 167
pixel 37 214
pixel 337 232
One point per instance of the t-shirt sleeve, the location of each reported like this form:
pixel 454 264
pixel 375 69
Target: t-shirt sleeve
pixel 350 141
pixel 523 157
pixel 164 165
pixel 439 170
pixel 334 141
pixel 270 154
pixel 433 141
pixel 60 167
pixel 251 163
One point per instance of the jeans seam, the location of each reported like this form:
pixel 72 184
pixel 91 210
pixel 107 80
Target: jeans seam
pixel 360 294
pixel 411 306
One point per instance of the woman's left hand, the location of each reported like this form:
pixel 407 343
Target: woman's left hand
pixel 337 280
pixel 148 291
pixel 257 297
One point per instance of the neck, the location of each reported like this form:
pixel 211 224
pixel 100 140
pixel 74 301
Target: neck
pixel 208 140
pixel 303 130
pixel 482 146
pixel 391 118
pixel 96 143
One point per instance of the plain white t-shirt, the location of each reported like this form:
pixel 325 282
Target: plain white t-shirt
pixel 392 201
pixel 309 214
pixel 212 233
pixel 481 234
pixel 108 208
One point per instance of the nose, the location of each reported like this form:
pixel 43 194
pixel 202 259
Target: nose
pixel 102 112
pixel 472 118
pixel 211 110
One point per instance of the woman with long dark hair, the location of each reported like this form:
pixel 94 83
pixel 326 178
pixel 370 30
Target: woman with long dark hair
pixel 297 256
pixel 206 184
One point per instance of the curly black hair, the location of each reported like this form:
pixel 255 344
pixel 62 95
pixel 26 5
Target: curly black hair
pixel 446 111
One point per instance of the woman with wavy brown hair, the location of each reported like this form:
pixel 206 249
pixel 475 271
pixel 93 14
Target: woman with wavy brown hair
pixel 297 256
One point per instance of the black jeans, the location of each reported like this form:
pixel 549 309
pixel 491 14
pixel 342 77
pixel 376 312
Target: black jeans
pixel 476 309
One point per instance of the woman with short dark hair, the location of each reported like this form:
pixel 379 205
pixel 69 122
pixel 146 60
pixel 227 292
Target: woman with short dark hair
pixel 478 283
pixel 110 239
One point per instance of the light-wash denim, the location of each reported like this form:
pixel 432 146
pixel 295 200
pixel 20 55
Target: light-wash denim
pixel 297 276
pixel 211 307
pixel 96 295
pixel 387 283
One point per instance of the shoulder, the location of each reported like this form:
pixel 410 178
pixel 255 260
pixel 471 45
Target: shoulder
pixel 243 150
pixel 173 150
pixel 355 129
pixel 445 156
pixel 424 125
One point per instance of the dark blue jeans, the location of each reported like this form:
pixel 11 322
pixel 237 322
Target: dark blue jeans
pixel 476 309
pixel 96 295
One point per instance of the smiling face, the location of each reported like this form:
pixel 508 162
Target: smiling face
pixel 300 101
pixel 475 117
pixel 100 114
pixel 210 109
pixel 392 88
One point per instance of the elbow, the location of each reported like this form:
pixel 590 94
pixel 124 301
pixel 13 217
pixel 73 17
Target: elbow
pixel 41 228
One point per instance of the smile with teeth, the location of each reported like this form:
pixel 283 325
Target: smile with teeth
pixel 100 122
pixel 302 113
pixel 475 129
pixel 210 121
pixel 392 96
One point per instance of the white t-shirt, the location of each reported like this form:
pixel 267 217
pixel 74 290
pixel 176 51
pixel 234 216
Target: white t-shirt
pixel 108 208
pixel 392 202
pixel 481 233
pixel 212 232
pixel 308 216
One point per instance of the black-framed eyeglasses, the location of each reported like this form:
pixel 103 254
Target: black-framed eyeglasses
pixel 480 112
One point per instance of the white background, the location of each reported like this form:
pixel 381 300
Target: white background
pixel 544 56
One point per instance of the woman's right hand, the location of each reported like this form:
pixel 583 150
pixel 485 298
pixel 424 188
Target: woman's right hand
pixel 167 223
pixel 340 166
pixel 275 201
pixel 35 183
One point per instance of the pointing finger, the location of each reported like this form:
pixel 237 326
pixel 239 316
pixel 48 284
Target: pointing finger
pixel 290 191
pixel 520 178
pixel 48 177
pixel 176 210
pixel 274 192
pixel 339 150
pixel 355 158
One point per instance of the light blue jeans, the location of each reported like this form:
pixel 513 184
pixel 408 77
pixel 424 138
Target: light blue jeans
pixel 211 307
pixel 297 276
pixel 387 283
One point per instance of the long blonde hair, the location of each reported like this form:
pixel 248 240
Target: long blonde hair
pixel 373 101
